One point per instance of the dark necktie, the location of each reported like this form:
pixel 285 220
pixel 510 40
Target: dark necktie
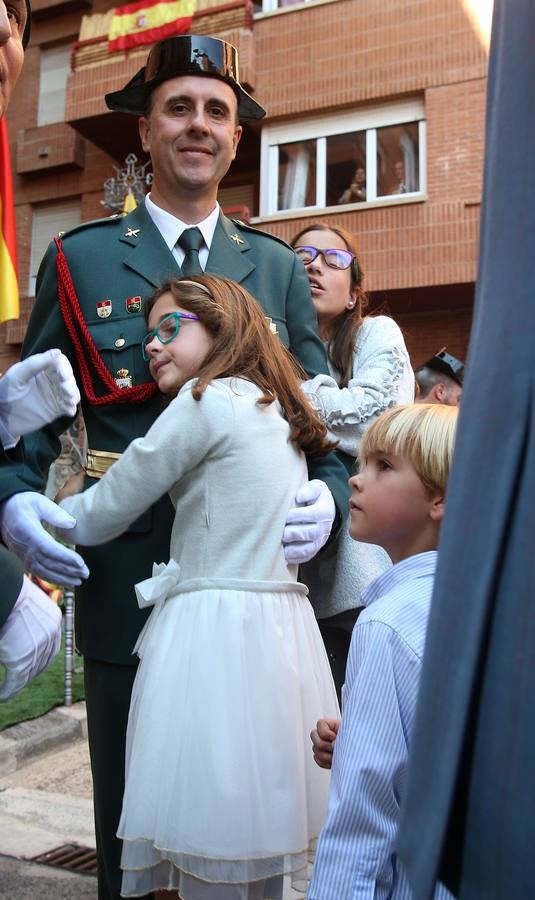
pixel 191 241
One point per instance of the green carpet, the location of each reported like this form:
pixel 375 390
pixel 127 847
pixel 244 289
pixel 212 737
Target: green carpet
pixel 42 694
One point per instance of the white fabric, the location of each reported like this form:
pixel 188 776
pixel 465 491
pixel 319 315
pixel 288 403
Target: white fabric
pixel 21 518
pixel 382 378
pixel 29 638
pixel 220 783
pixel 309 523
pixel 34 393
pixel 171 228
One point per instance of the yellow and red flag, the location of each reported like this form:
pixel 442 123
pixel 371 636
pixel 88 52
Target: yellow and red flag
pixel 9 291
pixel 148 21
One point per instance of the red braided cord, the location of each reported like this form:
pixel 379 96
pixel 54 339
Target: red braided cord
pixel 72 316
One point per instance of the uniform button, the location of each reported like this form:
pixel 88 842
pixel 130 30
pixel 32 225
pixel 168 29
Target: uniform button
pixel 120 342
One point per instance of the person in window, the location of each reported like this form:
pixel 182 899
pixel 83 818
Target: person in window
pixel 370 372
pixel 401 186
pixel 356 192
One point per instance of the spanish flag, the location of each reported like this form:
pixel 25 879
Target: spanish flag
pixel 9 292
pixel 148 21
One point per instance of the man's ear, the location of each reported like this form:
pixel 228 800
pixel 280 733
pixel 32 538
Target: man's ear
pixel 238 131
pixel 144 133
pixel 436 507
pixel 439 391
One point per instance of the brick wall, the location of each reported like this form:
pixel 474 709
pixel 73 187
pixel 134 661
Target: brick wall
pixel 316 58
pixel 426 333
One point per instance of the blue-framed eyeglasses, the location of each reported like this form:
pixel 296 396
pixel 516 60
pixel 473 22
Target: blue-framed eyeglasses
pixel 166 330
pixel 335 259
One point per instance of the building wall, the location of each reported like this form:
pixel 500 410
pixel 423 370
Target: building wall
pixel 301 61
pixel 379 51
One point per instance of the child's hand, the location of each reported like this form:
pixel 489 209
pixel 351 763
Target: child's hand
pixel 323 737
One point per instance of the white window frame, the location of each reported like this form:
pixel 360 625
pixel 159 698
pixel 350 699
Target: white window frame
pixel 270 6
pixel 367 119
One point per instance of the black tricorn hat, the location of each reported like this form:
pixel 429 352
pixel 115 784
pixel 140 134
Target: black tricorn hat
pixel 447 364
pixel 190 54
pixel 28 26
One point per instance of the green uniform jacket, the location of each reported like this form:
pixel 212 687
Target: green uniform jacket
pixel 113 260
pixel 11 569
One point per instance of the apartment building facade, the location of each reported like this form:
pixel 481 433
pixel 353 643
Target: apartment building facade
pixel 388 92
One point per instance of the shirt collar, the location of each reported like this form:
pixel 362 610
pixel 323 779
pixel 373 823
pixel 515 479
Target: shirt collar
pixel 171 228
pixel 413 567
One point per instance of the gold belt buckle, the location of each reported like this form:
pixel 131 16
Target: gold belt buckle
pixel 99 461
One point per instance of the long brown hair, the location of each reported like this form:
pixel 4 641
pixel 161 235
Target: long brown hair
pixel 341 346
pixel 244 347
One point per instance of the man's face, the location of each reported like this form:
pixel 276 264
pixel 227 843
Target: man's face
pixel 192 134
pixel 446 391
pixel 13 16
pixel 452 393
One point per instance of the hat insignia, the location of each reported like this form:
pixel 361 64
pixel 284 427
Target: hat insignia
pixel 104 308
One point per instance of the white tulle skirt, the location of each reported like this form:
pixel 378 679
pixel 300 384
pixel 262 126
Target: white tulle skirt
pixel 221 787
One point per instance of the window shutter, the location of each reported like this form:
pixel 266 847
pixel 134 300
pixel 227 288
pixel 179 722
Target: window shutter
pixel 47 221
pixel 55 69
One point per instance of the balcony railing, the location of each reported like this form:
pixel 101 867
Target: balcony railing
pixel 211 17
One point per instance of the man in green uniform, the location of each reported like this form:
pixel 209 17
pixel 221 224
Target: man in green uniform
pixel 31 393
pixel 190 103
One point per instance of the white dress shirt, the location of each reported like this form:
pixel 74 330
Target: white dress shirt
pixel 171 228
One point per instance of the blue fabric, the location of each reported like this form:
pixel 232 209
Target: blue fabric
pixel 467 816
pixel 356 850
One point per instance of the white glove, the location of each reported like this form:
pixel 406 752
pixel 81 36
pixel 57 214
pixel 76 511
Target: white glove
pixel 308 524
pixel 20 522
pixel 34 392
pixel 29 639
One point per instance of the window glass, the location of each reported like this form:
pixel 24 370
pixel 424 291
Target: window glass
pixel 346 168
pixel 270 5
pixel 297 175
pixel 398 161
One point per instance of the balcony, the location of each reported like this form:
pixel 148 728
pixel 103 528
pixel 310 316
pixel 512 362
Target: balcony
pixel 44 9
pixel 95 71
pixel 49 148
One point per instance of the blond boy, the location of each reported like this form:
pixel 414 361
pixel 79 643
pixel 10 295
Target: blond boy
pixel 397 501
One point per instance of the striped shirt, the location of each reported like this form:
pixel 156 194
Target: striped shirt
pixel 356 858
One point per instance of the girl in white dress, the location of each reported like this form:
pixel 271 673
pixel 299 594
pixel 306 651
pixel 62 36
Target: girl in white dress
pixel 370 372
pixel 221 790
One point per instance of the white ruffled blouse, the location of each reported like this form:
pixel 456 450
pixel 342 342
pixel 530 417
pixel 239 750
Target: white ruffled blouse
pixel 382 377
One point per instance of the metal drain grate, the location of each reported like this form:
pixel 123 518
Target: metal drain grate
pixel 71 857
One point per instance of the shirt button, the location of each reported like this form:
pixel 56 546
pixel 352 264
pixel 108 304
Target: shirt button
pixel 120 342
